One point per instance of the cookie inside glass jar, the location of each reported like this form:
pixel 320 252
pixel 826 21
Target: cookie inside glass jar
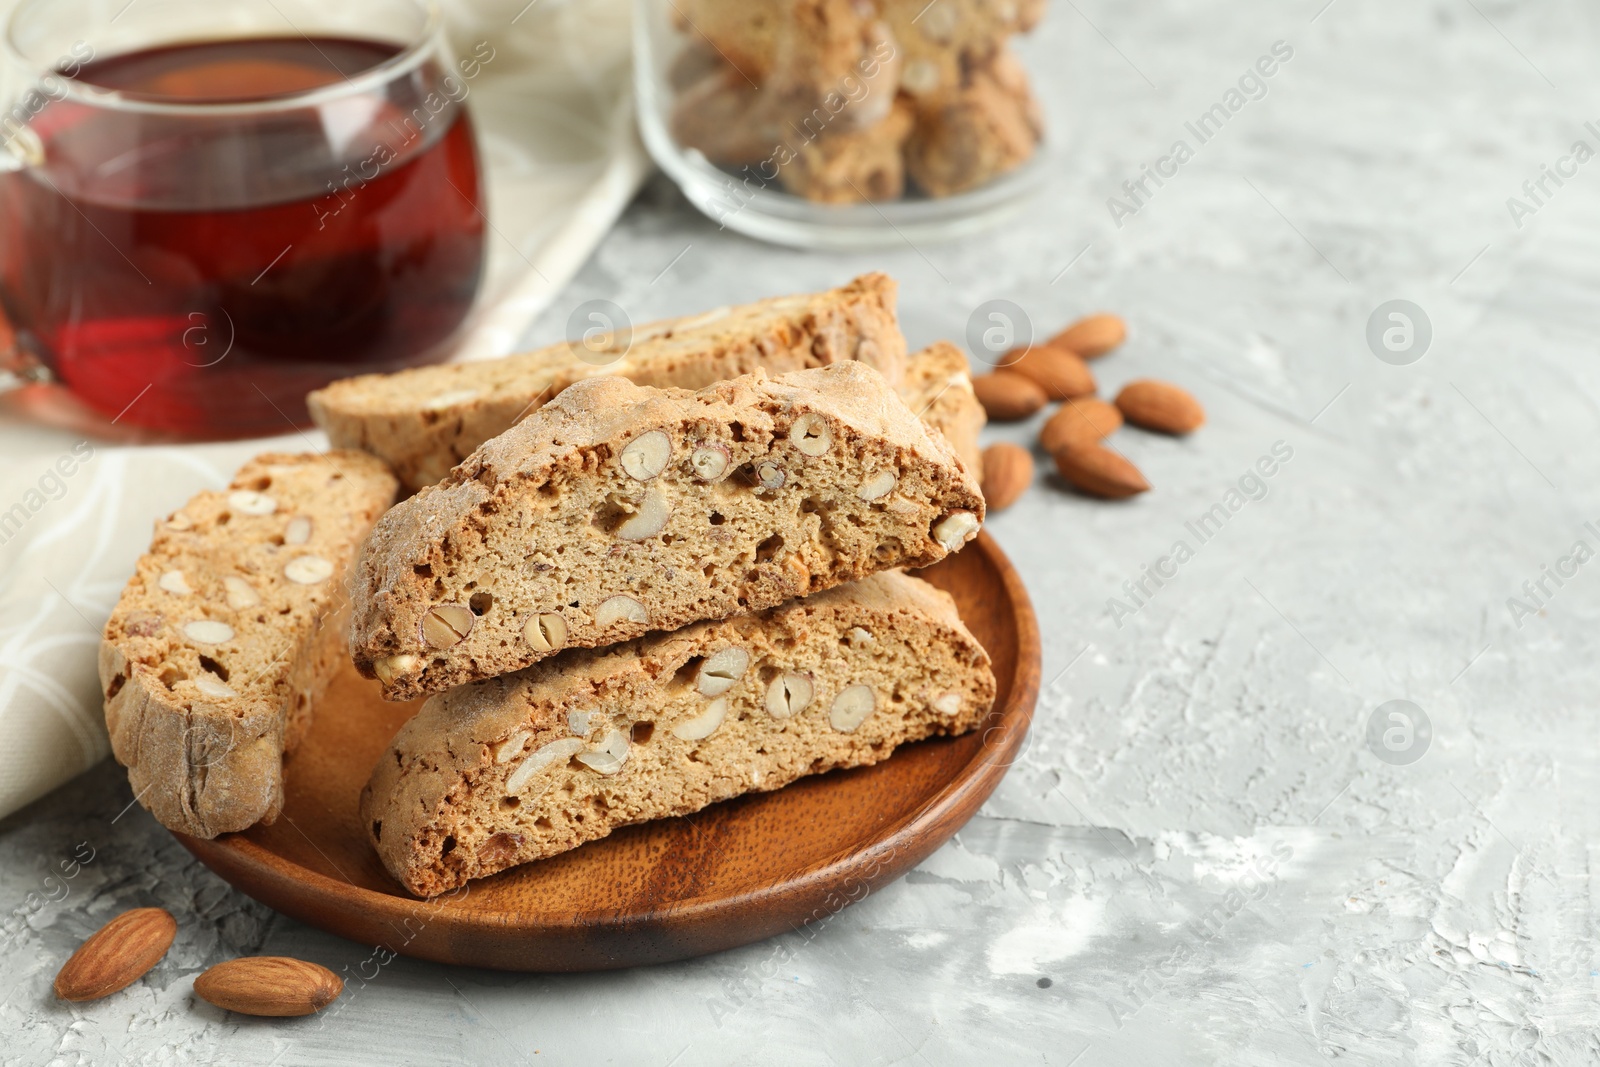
pixel 850 101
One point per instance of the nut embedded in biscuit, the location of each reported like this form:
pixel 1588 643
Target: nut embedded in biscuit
pixel 620 609
pixel 851 708
pixel 208 632
pixel 546 632
pixel 810 434
pixel 647 455
pixel 721 671
pixel 709 460
pixel 609 757
pixel 771 476
pixel 391 667
pixel 247 502
pixel 877 486
pixel 956 529
pixel 651 518
pixel 447 625
pixel 553 753
pixel 308 570
pixel 789 694
pixel 705 724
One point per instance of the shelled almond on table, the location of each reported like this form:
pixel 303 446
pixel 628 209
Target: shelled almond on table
pixel 117 955
pixel 1075 434
pixel 1007 473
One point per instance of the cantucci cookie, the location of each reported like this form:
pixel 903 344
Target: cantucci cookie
pixel 972 135
pixel 229 631
pixel 849 166
pixel 521 767
pixel 619 509
pixel 938 389
pixel 424 421
pixel 941 41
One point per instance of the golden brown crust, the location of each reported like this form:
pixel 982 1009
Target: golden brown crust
pixel 424 421
pixel 938 389
pixel 229 631
pixel 471 785
pixel 759 490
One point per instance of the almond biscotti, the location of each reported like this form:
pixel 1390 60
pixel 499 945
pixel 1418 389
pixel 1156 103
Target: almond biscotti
pixel 424 421
pixel 849 166
pixel 938 389
pixel 619 509
pixel 971 135
pixel 517 768
pixel 229 631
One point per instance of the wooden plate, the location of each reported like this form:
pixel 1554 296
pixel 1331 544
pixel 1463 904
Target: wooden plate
pixel 734 873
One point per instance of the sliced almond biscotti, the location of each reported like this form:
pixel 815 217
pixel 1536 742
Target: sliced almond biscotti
pixel 424 421
pixel 938 389
pixel 620 509
pixel 230 629
pixel 517 768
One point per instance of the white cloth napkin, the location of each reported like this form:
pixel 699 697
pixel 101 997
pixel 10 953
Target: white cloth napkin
pixel 554 115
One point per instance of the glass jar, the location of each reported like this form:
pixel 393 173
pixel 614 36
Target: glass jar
pixel 842 124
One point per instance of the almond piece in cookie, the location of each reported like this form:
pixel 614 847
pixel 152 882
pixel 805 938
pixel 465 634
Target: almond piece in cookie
pixel 828 478
pixel 491 775
pixel 424 421
pixel 210 679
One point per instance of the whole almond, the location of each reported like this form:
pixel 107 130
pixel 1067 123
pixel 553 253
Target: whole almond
pixel 1092 336
pixel 1098 471
pixel 1007 397
pixel 1007 473
pixel 269 985
pixel 117 955
pixel 1160 406
pixel 1084 421
pixel 1060 373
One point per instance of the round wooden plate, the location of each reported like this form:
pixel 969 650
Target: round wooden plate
pixel 737 872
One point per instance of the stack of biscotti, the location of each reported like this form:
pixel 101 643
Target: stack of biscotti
pixel 423 422
pixel 846 100
pixel 228 633
pixel 730 544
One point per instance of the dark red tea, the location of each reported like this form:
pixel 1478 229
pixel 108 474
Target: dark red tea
pixel 235 260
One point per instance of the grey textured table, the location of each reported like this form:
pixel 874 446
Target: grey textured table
pixel 1202 857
